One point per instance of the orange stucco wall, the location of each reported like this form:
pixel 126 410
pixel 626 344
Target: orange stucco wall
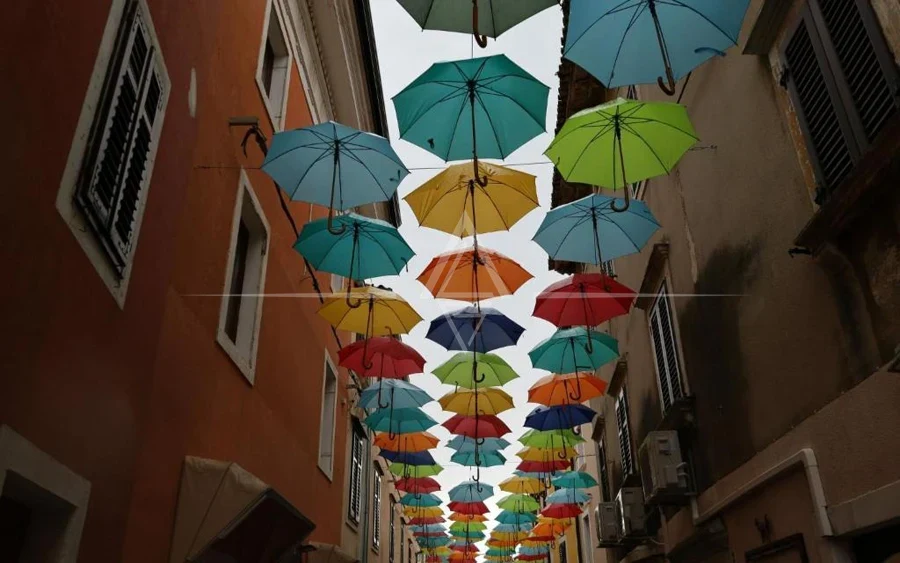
pixel 120 396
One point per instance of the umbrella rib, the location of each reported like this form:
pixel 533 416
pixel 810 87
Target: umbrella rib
pixel 327 149
pixel 634 18
pixel 613 10
pixel 680 4
pixel 446 98
pixel 354 157
pixel 563 134
pixel 361 148
pixel 492 91
pixel 650 148
pixel 462 108
pixel 308 168
pixel 670 126
pixel 491 122
pixel 587 145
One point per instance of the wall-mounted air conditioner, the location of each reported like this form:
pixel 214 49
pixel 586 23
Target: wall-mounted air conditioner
pixel 664 474
pixel 630 512
pixel 607 522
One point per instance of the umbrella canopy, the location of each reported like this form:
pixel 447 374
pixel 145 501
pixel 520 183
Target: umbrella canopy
pixel 488 17
pixel 364 248
pixel 398 393
pixel 518 503
pixel 562 510
pixel 571 350
pixel 522 485
pixel 473 108
pixel 509 517
pixel 370 311
pixel 474 330
pixel 482 426
pixel 468 507
pixel 551 438
pixel 590 231
pixel 562 416
pixel 457 517
pixel 410 442
pixel 568 496
pixel 399 421
pixel 470 535
pixel 409 458
pixel 464 444
pixel 385 357
pixel 407 470
pixel 575 480
pixel 642 41
pixel 471 491
pixel 433 541
pixel 473 275
pixel 542 454
pixel 475 402
pixel 550 528
pixel 471 370
pixel 545 467
pixel 514 528
pixel 474 526
pixel 620 142
pixel 479 459
pixel 423 520
pixel 584 299
pixel 421 500
pixel 456 203
pixel 422 512
pixel 335 166
pixel 554 390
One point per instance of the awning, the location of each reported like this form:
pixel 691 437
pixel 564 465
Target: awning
pixel 225 513
pixel 328 553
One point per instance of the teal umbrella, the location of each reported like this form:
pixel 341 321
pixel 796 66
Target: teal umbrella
pixel 335 166
pixel 471 491
pixel 488 18
pixel 426 499
pixel 572 350
pixel 402 395
pixel 474 108
pixel 399 421
pixel 467 445
pixel 478 459
pixel 575 480
pixel 510 517
pixel 567 496
pixel 470 535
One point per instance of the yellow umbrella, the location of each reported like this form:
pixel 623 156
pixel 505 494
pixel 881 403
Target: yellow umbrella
pixel 473 402
pixel 522 485
pixel 370 311
pixel 453 202
pixel 542 454
pixel 457 517
pixel 509 536
pixel 423 511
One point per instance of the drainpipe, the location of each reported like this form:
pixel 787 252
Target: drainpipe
pixel 807 458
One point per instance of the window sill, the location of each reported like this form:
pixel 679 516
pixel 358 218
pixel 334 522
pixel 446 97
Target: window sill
pixel 870 180
pixel 354 526
pixel 277 121
pixel 326 472
pixel 244 365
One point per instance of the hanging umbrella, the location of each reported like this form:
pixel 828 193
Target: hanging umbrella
pixel 541 454
pixel 584 299
pixel 571 350
pixel 472 108
pixel 419 521
pixel 365 248
pixel 639 41
pixel 457 517
pixel 591 232
pixel 470 535
pixel 433 542
pixel 406 470
pixel 472 526
pixel 401 395
pixel 522 485
pixel 547 468
pixel 563 437
pixel 456 203
pixel 334 166
pixel 555 390
pixel 489 370
pixel 421 500
pixel 550 528
pixel 422 512
pixel 509 517
pixel 575 480
pixel 464 444
pixel 568 496
pixel 485 426
pixel 518 503
pixel 386 357
pixel 562 510
pixel 409 458
pixel 471 491
pixel 370 311
pixel 562 416
pixel 473 275
pixel 475 402
pixel 489 18
pixel 399 421
pixel 513 528
pixel 468 507
pixel 410 442
pixel 479 459
pixel 620 142
pixel 474 331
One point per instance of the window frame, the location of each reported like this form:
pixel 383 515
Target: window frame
pixel 328 366
pixel 356 468
pixel 276 114
pixel 377 484
pixel 563 553
pixel 392 529
pixel 662 296
pixel 602 471
pixel 79 224
pixel 244 358
pixel 623 431
pixel 586 541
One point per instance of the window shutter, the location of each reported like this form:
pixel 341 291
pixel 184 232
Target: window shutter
pixel 665 350
pixel 114 172
pixel 563 556
pixel 393 530
pixel 603 471
pixel 376 525
pixel 355 476
pixel 624 433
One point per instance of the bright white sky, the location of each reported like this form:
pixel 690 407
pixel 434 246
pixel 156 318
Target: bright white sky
pixel 404 52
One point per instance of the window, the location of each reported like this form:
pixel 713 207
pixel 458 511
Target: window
pixel 624 432
pixel 273 70
pixel 357 447
pixel 638 189
pixel 376 509
pixel 103 192
pixel 409 553
pixel 586 544
pixel 843 83
pixel 337 283
pixel 392 527
pixel 602 471
pixel 326 419
pixel 563 556
pixel 245 274
pixel 665 350
pixel 608 268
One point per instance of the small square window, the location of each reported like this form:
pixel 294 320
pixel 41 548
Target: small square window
pixel 273 70
pixel 241 310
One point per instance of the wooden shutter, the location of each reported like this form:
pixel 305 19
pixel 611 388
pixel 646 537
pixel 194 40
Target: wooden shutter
pixel 563 556
pixel 665 350
pixel 393 531
pixel 624 432
pixel 124 135
pixel 603 471
pixel 376 507
pixel 355 476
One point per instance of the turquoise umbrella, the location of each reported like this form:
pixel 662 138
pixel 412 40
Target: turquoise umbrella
pixel 568 496
pixel 509 517
pixel 572 350
pixel 399 421
pixel 365 248
pixel 627 42
pixel 513 528
pixel 575 480
pixel 466 445
pixel 401 395
pixel 426 499
pixel 335 166
pixel 479 459
pixel 471 491
pixel 474 108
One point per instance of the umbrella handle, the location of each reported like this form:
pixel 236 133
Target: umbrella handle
pixel 577 396
pixel 563 454
pixel 352 305
pixel 479 441
pixel 669 88
pixel 480 39
pixel 385 405
pixel 612 204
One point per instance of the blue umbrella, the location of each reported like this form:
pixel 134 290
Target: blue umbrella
pixel 423 500
pixel 471 491
pixel 512 528
pixel 401 395
pixel 575 480
pixel 568 496
pixel 636 41
pixel 429 541
pixel 472 330
pixel 365 248
pixel 590 231
pixel 409 458
pixel 479 459
pixel 399 421
pixel 572 350
pixel 509 517
pixel 561 416
pixel 428 528
pixel 335 166
pixel 534 550
pixel 466 445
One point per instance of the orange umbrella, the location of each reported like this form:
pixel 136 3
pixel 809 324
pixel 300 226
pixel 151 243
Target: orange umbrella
pixel 457 517
pixel 473 275
pixel 555 390
pixel 412 442
pixel 549 529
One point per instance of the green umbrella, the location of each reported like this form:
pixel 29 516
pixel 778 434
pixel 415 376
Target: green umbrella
pixel 473 108
pixel 552 439
pixel 620 142
pixel 489 370
pixel 405 470
pixel 488 17
pixel 473 526
pixel 518 503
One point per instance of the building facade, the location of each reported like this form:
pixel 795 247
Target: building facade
pixel 763 346
pixel 150 395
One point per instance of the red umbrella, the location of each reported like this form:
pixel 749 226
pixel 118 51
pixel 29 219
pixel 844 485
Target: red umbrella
pixel 535 557
pixel 435 534
pixel 381 356
pixel 544 466
pixel 417 485
pixel 482 426
pixel 426 520
pixel 433 559
pixel 465 548
pixel 584 299
pixel 562 510
pixel 468 507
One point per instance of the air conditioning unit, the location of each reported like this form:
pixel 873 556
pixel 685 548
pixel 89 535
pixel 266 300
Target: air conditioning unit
pixel 607 522
pixel 663 473
pixel 630 512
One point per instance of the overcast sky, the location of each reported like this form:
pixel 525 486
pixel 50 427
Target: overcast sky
pixel 404 52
